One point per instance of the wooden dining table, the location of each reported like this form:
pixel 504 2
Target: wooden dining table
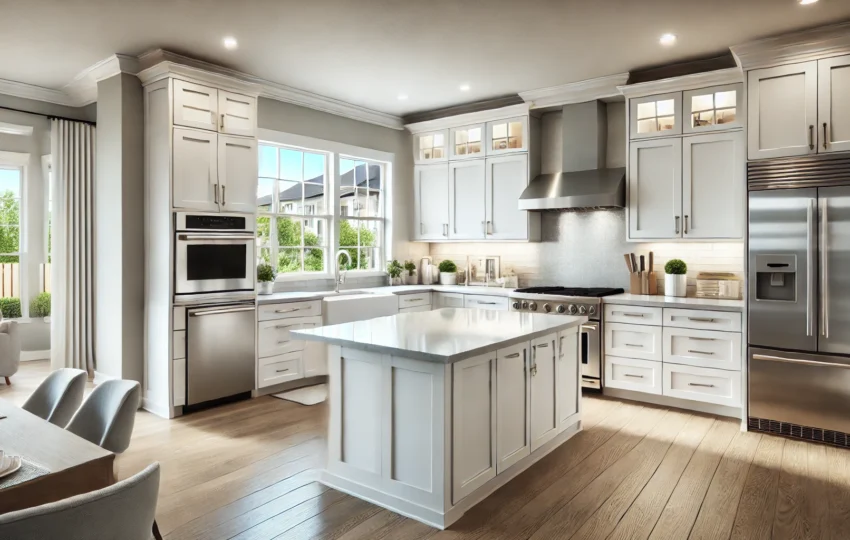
pixel 75 465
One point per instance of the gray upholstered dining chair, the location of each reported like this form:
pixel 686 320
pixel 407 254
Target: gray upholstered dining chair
pixel 10 349
pixel 106 418
pixel 58 396
pixel 122 511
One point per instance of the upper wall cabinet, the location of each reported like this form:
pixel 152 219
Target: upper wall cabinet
pixel 655 116
pixel 506 178
pixel 431 147
pixel 204 107
pixel 506 136
pixel 834 104
pixel 466 142
pixel 466 200
pixel 655 189
pixel 195 169
pixel 431 201
pixel 237 114
pixel 713 109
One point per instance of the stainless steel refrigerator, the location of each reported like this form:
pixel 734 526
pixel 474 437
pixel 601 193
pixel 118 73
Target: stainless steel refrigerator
pixel 799 298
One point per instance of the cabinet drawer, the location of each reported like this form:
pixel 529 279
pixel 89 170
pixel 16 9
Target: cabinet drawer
pixel 702 348
pixel 498 303
pixel 633 374
pixel 179 318
pixel 274 337
pixel 702 384
pixel 701 319
pixel 288 368
pixel 426 307
pixel 178 344
pixel 414 300
pixel 442 300
pixel 178 382
pixel 267 312
pixel 633 341
pixel 633 314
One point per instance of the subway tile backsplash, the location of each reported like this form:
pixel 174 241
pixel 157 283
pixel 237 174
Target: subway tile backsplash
pixel 585 249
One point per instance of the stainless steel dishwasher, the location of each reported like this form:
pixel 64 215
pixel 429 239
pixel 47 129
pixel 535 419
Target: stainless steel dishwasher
pixel 220 351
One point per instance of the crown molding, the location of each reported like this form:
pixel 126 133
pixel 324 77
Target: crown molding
pixel 577 92
pixel 38 93
pixel 82 89
pixel 478 117
pixel 685 82
pixel 796 47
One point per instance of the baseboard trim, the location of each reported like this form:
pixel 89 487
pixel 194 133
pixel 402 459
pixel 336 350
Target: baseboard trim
pixel 666 401
pixel 29 356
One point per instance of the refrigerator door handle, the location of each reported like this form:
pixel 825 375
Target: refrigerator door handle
pixel 824 269
pixel 810 292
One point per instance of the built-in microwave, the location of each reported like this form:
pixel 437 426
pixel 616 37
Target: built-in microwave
pixel 213 253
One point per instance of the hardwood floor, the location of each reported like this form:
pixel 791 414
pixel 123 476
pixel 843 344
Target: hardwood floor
pixel 248 471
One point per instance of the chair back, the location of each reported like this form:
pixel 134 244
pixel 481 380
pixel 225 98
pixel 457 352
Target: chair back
pixel 106 418
pixel 10 348
pixel 58 396
pixel 122 511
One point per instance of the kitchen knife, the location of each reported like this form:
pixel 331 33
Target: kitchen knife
pixel 634 262
pixel 642 268
pixel 628 263
pixel 651 261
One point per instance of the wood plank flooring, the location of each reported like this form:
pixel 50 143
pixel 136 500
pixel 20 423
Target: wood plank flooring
pixel 249 470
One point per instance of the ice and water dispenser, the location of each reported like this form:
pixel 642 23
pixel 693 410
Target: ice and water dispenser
pixel 776 277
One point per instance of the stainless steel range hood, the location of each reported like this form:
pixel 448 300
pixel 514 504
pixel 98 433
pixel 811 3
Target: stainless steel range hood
pixel 583 182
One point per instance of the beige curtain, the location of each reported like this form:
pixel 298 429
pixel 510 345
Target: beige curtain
pixel 72 314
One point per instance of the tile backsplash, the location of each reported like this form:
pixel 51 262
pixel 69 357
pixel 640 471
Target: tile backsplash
pixel 585 249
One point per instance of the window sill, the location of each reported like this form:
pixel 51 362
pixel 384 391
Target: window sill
pixel 286 278
pixel 28 320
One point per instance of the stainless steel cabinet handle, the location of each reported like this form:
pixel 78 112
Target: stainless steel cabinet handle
pixel 633 375
pixel 634 314
pixel 283 342
pixel 222 122
pixel 421 228
pixel 632 345
pixel 486 303
pixel 220 311
pixel 290 310
pixel 445 229
pixel 702 338
pixel 677 224
pixel 811 137
pixel 412 299
pixel 699 352
pixel 279 370
pixel 810 264
pixel 799 361
pixel 514 355
pixel 533 368
pixel 824 135
pixel 216 193
pixel 701 385
pixel 489 229
pixel 701 319
pixel 686 224
pixel 223 200
pixel 824 266
pixel 216 237
pixel 279 326
pixel 542 345
pixel 484 227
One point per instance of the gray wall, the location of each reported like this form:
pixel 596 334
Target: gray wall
pixel 119 229
pixel 89 112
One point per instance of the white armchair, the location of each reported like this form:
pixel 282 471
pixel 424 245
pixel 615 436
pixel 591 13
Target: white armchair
pixel 10 349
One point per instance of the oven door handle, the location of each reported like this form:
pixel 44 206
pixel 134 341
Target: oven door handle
pixel 220 311
pixel 590 326
pixel 191 237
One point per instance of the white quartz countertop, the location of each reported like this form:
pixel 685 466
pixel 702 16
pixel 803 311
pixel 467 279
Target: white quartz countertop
pixel 299 296
pixel 445 335
pixel 674 302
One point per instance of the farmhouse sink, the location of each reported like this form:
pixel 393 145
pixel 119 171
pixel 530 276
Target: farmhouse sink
pixel 349 306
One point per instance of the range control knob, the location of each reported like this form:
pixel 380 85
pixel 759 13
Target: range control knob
pixel 532 306
pixel 582 310
pixel 524 305
pixel 592 310
pixel 572 309
pixel 562 309
pixel 515 305
pixel 547 308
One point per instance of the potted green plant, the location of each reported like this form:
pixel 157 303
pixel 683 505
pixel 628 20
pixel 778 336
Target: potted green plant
pixel 265 278
pixel 410 277
pixel 40 306
pixel 394 269
pixel 675 278
pixel 448 273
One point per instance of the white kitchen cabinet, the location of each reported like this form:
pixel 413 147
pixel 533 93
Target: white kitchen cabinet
pixel 568 377
pixel 178 378
pixel 714 185
pixel 237 114
pixel 655 188
pixel 279 369
pixel 431 147
pixel 406 301
pixel 507 177
pixel 431 197
pixel 237 173
pixel 415 309
pixel 834 104
pixel 507 136
pixel 466 142
pixel 716 386
pixel 655 116
pixel 544 423
pixel 633 341
pixel 473 424
pixel 195 169
pixel 633 374
pixel 782 111
pixel 703 348
pixel 195 105
pixel 274 338
pixel 512 406
pixel 314 359
pixel 466 200
pixel 494 303
pixel 713 109
pixel 444 300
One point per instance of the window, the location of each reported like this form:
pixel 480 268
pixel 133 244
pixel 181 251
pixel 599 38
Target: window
pixel 10 230
pixel 361 212
pixel 292 202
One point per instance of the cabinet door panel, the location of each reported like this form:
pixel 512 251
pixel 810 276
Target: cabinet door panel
pixel 431 194
pixel 834 104
pixel 237 114
pixel 237 173
pixel 195 105
pixel 507 177
pixel 714 185
pixel 568 376
pixel 544 394
pixel 431 147
pixel 448 300
pixel 655 116
pixel 195 162
pixel 466 200
pixel 655 188
pixel 507 136
pixel 713 109
pixel 512 409
pixel 474 425
pixel 782 111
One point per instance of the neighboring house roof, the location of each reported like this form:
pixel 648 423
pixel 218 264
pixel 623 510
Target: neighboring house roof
pixel 315 187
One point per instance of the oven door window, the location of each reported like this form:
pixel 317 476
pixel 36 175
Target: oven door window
pixel 216 261
pixel 585 341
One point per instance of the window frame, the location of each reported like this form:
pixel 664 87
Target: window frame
pixel 380 219
pixel 19 160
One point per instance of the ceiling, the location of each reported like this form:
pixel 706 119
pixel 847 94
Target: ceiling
pixel 367 52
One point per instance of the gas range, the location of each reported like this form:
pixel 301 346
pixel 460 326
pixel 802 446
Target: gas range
pixel 561 300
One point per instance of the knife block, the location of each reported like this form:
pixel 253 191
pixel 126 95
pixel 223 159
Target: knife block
pixel 643 283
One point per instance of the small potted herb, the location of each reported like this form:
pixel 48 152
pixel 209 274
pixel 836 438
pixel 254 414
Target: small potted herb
pixel 410 277
pixel 265 278
pixel 448 273
pixel 394 269
pixel 675 278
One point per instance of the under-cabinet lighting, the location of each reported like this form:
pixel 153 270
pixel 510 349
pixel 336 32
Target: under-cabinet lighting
pixel 230 43
pixel 667 39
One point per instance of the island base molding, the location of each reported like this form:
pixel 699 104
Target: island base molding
pixel 667 401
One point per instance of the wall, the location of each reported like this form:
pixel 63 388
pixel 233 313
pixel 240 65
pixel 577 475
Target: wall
pixel 289 118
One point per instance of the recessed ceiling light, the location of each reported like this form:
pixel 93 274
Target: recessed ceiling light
pixel 807 2
pixel 667 39
pixel 464 88
pixel 230 43
pixel 402 97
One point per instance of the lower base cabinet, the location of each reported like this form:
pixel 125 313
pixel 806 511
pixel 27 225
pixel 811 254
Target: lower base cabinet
pixel 703 384
pixel 282 359
pixel 512 406
pixel 544 394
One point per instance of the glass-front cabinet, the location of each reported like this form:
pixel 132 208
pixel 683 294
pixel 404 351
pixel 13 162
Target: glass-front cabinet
pixel 431 147
pixel 506 136
pixel 655 116
pixel 467 142
pixel 713 109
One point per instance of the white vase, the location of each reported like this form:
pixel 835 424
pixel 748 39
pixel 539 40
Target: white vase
pixel 448 278
pixel 266 287
pixel 675 285
pixel 410 280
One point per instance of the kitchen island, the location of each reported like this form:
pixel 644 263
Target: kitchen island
pixel 433 411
